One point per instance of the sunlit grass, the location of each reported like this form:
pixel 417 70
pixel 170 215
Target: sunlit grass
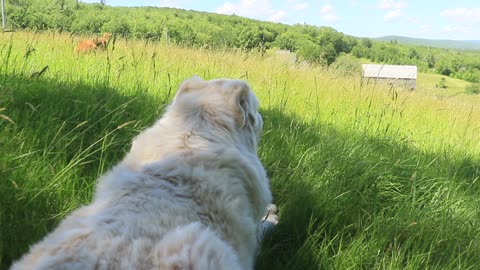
pixel 365 176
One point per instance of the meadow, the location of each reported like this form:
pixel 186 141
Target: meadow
pixel 365 176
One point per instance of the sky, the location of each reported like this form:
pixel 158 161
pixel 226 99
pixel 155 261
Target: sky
pixel 442 19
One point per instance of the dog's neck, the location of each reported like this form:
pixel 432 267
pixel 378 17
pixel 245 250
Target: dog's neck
pixel 169 137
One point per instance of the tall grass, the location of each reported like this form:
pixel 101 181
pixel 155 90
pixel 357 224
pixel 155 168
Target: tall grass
pixel 365 176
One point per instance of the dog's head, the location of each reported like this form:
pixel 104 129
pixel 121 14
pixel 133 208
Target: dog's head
pixel 221 105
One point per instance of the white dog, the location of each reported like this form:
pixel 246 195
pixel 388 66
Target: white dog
pixel 190 194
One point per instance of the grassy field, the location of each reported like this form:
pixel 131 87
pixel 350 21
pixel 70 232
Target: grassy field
pixel 365 176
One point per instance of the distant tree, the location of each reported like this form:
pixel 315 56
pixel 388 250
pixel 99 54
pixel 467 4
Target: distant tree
pixel 470 74
pixel 430 59
pixel 328 54
pixel 329 36
pixel 360 51
pixel 347 65
pixel 366 42
pixel 290 40
pixel 90 22
pixel 250 38
pixel 118 26
pixel 442 83
pixel 19 13
pixel 443 67
pixel 473 89
pixel 310 52
pixel 413 54
pixel 60 3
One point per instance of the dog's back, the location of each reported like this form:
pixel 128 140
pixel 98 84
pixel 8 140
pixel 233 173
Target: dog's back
pixel 169 216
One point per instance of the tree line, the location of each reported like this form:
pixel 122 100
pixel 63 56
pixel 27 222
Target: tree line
pixel 461 64
pixel 321 45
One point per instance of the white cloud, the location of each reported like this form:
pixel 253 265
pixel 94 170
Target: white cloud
pixel 328 14
pixel 456 29
pixel 425 28
pixel 257 9
pixel 393 9
pixel 414 20
pixel 227 8
pixel 169 3
pixel 278 16
pixel 463 14
pixel 392 15
pixel 422 30
pixel 301 6
pixel 248 8
pixel 330 17
pixel 392 4
pixel 326 9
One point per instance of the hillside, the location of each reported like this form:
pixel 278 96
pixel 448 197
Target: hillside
pixel 318 45
pixel 437 43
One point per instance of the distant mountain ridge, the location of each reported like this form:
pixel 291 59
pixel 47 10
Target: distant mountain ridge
pixel 439 43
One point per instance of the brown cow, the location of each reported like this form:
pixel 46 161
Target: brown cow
pixel 103 41
pixel 86 46
pixel 93 44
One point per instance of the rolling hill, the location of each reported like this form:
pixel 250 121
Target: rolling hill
pixel 439 43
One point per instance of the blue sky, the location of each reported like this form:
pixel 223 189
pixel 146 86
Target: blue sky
pixel 458 20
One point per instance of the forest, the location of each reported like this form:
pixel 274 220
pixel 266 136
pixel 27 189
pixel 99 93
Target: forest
pixel 314 44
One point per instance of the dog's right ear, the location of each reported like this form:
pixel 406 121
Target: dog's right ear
pixel 190 84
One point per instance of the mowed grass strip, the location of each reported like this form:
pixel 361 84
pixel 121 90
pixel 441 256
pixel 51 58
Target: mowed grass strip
pixel 365 176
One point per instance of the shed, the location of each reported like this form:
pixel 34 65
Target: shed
pixel 399 75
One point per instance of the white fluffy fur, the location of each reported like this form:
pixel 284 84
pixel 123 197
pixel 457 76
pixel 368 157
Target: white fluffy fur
pixel 188 195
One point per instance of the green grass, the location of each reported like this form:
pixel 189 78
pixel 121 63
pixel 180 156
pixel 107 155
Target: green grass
pixel 427 82
pixel 366 177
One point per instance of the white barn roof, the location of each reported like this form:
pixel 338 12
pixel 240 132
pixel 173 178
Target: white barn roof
pixel 389 71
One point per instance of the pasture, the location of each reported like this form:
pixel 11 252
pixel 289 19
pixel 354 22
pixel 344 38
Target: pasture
pixel 365 176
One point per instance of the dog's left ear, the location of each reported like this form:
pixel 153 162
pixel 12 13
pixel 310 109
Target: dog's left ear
pixel 243 116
